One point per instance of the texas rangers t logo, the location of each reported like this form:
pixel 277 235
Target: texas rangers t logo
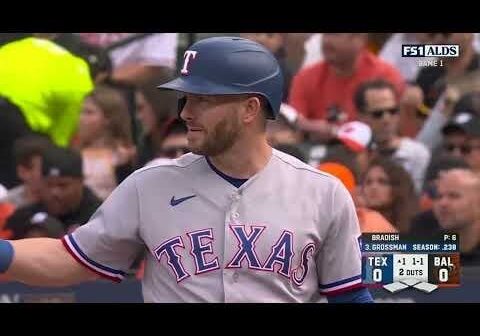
pixel 189 54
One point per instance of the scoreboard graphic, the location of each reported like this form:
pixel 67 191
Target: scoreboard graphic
pixel 396 261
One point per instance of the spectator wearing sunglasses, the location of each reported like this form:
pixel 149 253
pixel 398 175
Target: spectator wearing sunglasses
pixel 378 107
pixel 464 125
pixel 462 139
pixel 457 132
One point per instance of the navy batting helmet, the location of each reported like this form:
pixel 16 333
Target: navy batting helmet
pixel 230 65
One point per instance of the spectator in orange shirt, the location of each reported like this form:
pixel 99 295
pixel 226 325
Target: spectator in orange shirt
pixel 388 189
pixel 323 93
pixel 369 220
pixel 378 107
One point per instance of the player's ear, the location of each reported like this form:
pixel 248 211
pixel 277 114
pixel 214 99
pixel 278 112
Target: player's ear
pixel 252 109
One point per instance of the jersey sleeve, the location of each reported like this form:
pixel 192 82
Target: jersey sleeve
pixel 339 260
pixel 109 243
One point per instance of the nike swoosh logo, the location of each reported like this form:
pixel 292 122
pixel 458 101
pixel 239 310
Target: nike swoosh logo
pixel 174 202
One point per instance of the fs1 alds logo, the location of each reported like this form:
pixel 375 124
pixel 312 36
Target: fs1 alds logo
pixel 430 50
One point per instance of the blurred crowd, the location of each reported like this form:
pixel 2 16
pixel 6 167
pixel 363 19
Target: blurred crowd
pixel 79 112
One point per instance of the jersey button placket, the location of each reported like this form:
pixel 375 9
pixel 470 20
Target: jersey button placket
pixel 230 277
pixel 234 215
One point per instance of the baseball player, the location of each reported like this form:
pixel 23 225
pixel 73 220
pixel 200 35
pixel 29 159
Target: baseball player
pixel 232 221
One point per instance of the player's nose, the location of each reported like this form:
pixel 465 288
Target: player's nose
pixel 185 109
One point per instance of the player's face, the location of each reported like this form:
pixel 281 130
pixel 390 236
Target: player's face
pixel 213 123
pixel 92 121
pixel 454 206
pixel 145 113
pixel 382 113
pixel 377 190
pixel 62 195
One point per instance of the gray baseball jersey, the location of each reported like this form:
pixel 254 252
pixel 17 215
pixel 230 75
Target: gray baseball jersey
pixel 287 234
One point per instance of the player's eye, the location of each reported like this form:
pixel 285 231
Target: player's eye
pixel 200 97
